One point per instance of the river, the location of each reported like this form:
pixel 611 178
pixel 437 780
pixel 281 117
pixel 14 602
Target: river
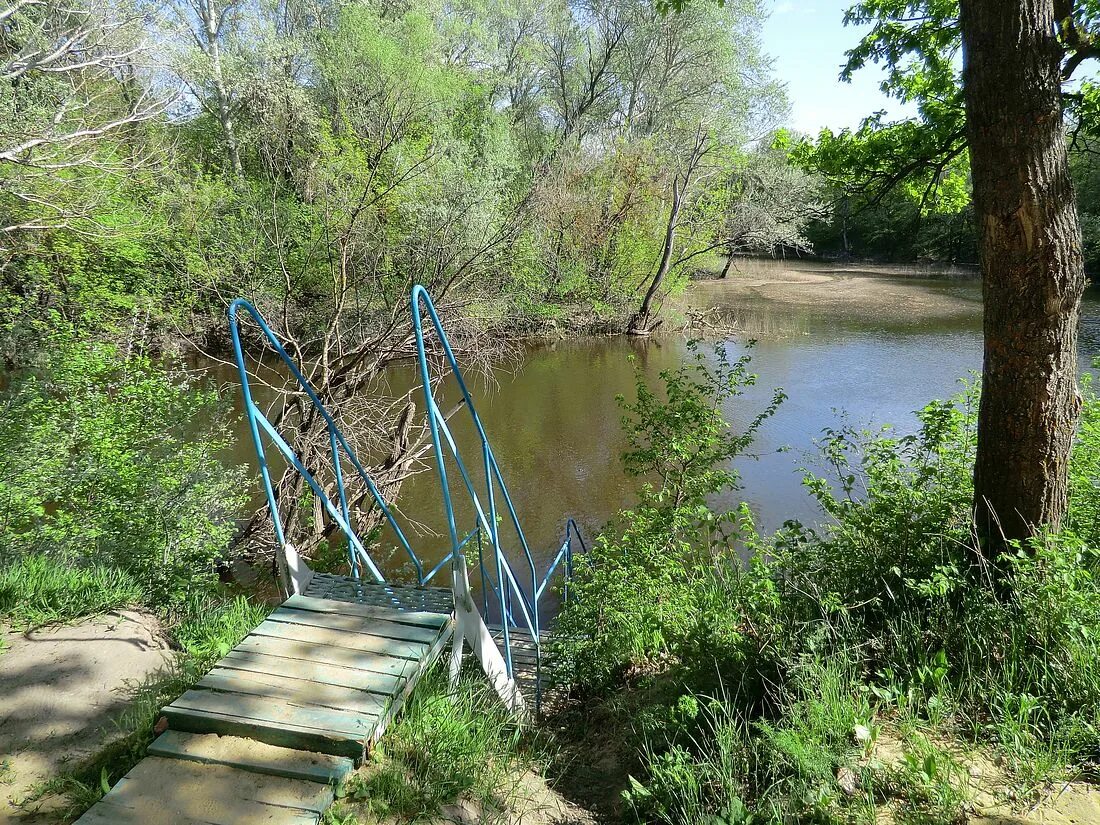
pixel 862 345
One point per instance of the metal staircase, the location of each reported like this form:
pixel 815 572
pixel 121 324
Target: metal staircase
pixel 509 624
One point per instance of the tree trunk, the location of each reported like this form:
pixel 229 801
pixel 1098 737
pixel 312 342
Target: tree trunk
pixel 642 321
pixel 211 19
pixel 640 324
pixel 727 268
pixel 1032 275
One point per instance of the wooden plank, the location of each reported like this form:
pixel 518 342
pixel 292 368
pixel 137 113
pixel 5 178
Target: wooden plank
pixel 327 655
pixel 340 638
pixel 106 812
pixel 348 677
pixel 265 710
pixel 300 691
pixel 521 655
pixel 279 734
pixel 209 792
pixel 255 757
pixel 423 618
pixel 384 628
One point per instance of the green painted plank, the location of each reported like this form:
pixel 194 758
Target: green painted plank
pixel 107 813
pixel 266 710
pixel 255 757
pixel 311 671
pixel 300 691
pixel 355 624
pixel 153 811
pixel 327 655
pixel 423 618
pixel 215 792
pixel 280 734
pixel 340 638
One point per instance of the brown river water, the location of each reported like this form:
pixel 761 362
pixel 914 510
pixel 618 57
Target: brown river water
pixel 863 345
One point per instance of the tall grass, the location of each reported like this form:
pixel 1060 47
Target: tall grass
pixel 41 589
pixel 447 745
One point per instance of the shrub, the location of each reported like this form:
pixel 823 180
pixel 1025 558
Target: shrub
pixel 886 611
pixel 445 745
pixel 113 460
pixel 640 592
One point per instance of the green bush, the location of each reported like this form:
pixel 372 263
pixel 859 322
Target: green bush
pixel 887 611
pixel 112 460
pixel 643 588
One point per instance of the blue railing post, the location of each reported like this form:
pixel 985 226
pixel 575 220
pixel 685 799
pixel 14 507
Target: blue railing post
pixel 507 587
pixel 337 444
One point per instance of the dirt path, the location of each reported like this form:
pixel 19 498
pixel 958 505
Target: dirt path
pixel 60 687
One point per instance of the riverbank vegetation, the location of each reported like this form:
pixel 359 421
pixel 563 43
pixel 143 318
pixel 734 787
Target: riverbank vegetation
pixel 538 168
pixel 533 162
pixel 868 667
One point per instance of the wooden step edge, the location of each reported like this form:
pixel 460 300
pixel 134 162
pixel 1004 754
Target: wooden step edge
pixel 253 756
pixel 279 734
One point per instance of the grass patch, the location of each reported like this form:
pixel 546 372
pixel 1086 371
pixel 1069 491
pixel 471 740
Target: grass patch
pixel 447 745
pixel 41 589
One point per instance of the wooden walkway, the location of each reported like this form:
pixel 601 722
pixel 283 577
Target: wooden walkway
pixel 283 717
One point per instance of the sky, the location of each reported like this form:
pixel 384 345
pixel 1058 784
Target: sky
pixel 807 40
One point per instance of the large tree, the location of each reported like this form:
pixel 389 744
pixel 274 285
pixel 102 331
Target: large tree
pixel 1032 273
pixel 1007 109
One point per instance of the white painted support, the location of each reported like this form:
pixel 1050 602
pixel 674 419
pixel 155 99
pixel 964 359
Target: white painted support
pixel 470 628
pixel 293 571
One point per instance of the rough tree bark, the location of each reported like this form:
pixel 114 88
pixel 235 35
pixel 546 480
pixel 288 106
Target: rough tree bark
pixel 1032 275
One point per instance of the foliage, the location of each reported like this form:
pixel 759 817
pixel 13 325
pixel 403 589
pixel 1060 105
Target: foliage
pixel 638 590
pixel 763 692
pixel 517 153
pixel 900 189
pixel 447 744
pixel 113 462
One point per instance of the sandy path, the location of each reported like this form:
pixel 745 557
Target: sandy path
pixel 60 688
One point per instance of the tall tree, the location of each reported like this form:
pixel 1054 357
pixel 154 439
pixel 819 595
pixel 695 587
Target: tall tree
pixel 1009 110
pixel 67 88
pixel 1032 273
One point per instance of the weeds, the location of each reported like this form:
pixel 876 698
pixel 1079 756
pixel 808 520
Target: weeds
pixel 40 589
pixel 445 746
pixel 882 620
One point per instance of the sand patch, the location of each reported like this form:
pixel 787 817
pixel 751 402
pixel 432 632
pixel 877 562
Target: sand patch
pixel 60 687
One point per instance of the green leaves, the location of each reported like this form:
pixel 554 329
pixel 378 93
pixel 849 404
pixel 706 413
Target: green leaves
pixel 642 596
pixel 115 461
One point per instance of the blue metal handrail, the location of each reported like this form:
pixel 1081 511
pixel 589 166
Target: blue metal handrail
pixel 505 587
pixel 337 444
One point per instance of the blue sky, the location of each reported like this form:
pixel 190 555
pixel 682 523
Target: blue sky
pixel 807 40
